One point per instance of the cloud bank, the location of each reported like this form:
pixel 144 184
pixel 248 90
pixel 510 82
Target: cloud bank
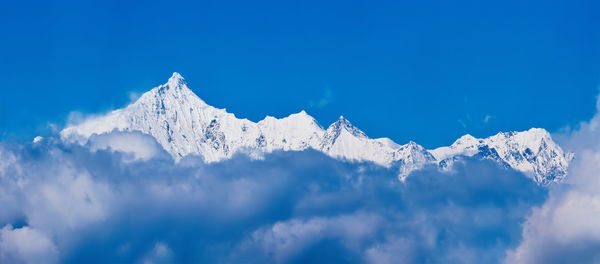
pixel 102 203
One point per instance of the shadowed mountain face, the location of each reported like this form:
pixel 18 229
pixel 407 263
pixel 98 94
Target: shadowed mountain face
pixel 184 124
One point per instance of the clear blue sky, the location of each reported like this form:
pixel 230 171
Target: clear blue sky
pixel 427 71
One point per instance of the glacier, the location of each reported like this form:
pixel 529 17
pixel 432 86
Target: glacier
pixel 183 124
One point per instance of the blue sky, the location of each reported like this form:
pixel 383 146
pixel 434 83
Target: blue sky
pixel 427 71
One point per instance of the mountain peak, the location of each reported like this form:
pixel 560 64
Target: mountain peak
pixel 176 81
pixel 176 76
pixel 343 123
pixel 302 115
pixel 465 140
pixel 539 132
pixel 175 87
pixel 413 144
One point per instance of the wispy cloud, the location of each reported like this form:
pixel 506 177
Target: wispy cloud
pixel 487 119
pixel 134 96
pixel 325 99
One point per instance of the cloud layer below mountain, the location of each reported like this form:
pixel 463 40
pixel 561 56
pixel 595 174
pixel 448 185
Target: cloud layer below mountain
pixel 101 203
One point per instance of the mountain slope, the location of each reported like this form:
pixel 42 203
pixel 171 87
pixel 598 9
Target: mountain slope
pixel 184 124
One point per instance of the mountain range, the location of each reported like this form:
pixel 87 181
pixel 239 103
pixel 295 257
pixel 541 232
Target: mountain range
pixel 183 124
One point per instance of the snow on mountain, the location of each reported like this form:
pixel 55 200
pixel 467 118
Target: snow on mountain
pixel 343 140
pixel 411 157
pixel 183 124
pixel 532 152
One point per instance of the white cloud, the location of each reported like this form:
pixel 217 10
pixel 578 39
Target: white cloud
pixel 26 245
pixel 286 239
pixel 139 146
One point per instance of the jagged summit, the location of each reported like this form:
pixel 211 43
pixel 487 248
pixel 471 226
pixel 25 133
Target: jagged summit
pixel 184 125
pixel 176 77
pixel 175 82
pixel 343 124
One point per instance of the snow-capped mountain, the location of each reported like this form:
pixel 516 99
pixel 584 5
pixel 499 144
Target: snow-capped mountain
pixel 532 152
pixel 184 124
